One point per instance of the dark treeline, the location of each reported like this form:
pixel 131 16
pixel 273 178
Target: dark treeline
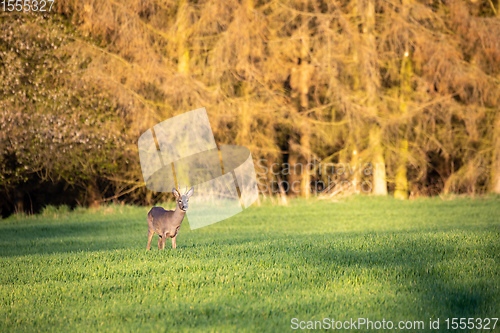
pixel 410 87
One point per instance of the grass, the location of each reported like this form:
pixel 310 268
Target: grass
pixel 375 258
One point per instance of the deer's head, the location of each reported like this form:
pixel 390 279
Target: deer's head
pixel 183 199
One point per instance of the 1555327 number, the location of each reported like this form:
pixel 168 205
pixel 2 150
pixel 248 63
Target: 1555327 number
pixel 26 5
pixel 471 323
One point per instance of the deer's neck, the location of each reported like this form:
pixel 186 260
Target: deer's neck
pixel 178 216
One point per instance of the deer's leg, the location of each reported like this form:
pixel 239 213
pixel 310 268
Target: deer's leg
pixel 159 242
pixel 174 244
pixel 163 239
pixel 150 236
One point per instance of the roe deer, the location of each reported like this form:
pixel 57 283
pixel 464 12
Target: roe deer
pixel 166 223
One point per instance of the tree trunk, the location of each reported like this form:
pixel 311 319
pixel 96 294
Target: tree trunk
pixel 306 177
pixel 354 168
pixel 303 92
pixel 401 177
pixel 94 196
pixel 405 73
pixel 401 172
pixel 379 186
pixel 182 50
pixel 18 201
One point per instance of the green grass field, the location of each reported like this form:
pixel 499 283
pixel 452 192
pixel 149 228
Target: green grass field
pixel 363 257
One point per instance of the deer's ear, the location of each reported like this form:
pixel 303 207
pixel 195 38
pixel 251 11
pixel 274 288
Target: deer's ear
pixel 190 192
pixel 176 193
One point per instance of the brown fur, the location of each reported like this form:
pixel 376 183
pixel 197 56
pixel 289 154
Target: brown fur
pixel 166 223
